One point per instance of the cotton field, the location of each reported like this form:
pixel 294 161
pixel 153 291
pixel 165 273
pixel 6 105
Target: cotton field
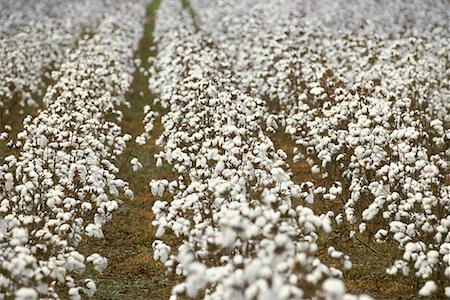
pixel 211 149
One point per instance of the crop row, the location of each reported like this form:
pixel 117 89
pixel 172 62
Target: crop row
pixel 233 202
pixel 35 39
pixel 365 97
pixel 63 184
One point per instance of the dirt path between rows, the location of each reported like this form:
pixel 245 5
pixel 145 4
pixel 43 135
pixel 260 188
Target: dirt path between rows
pixel 132 273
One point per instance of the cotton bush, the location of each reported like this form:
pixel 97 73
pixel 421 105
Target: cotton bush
pixel 363 97
pixel 232 203
pixel 369 114
pixel 63 185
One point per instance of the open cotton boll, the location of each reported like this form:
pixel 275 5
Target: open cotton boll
pixel 161 251
pixel 447 292
pixel 333 288
pixel 129 194
pixel 315 169
pixel 159 162
pixel 19 236
pixel 100 263
pixel 90 287
pixel 136 165
pixel 428 289
pixel 26 294
pixel 3 136
pixel 94 230
pixel 316 91
pixel 74 293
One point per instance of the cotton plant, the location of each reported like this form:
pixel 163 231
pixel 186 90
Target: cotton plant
pixel 232 202
pixel 149 124
pixel 63 184
pixel 405 159
pixel 368 113
pixel 35 41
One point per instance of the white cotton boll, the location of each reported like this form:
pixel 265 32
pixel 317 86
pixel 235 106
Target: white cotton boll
pixel 428 289
pixel 26 294
pixel 433 257
pixel 158 207
pixel 159 162
pixel 3 136
pixel 310 197
pixel 43 140
pixel 94 230
pixel 178 289
pixel 362 227
pixel 161 251
pixel 154 187
pixel 74 293
pixel 3 227
pixel 129 194
pixel 160 232
pixel 381 234
pixel 315 169
pixel 19 236
pixel 238 260
pixel 334 253
pixel 392 270
pixel 9 184
pixel 339 219
pixel 295 191
pixel 316 91
pixel 447 292
pixel 334 289
pixel 348 264
pixel 136 165
pixel 268 199
pixel 90 287
pixel 86 206
pixel 219 167
pixel 161 189
pixel 296 158
pixel 100 263
pixel 140 140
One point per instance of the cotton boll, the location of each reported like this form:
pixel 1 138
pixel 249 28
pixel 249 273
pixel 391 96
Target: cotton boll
pixel 159 162
pixel 94 230
pixel 90 287
pixel 136 165
pixel 9 184
pixel 129 194
pixel 362 227
pixel 316 91
pixel 3 136
pixel 161 251
pixel 140 140
pixel 333 288
pixel 26 294
pixel 447 292
pixel 100 263
pixel 315 169
pixel 19 236
pixel 428 289
pixel 74 294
